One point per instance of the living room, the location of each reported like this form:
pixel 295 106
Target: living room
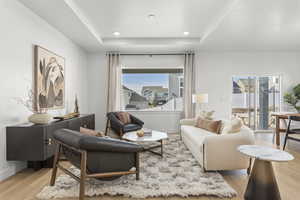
pixel 183 99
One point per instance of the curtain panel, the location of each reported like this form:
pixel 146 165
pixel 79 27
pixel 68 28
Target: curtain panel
pixel 114 82
pixel 189 84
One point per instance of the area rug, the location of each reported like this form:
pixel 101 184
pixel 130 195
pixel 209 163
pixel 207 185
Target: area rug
pixel 176 174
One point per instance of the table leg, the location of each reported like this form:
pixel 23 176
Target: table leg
pixel 262 184
pixel 161 148
pixel 154 147
pixel 277 131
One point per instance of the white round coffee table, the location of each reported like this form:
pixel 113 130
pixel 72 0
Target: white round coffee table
pixel 156 136
pixel 262 183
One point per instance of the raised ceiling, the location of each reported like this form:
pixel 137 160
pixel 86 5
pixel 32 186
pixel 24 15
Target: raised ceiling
pixel 212 24
pixel 172 18
pixel 258 25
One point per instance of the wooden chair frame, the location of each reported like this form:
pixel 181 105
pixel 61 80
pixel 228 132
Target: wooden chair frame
pixel 108 127
pixel 83 168
pixel 290 131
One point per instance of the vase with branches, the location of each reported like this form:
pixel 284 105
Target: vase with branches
pixel 293 98
pixel 40 115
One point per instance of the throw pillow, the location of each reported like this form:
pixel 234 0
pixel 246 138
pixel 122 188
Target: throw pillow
pixel 124 117
pixel 207 114
pixel 233 126
pixel 91 132
pixel 209 125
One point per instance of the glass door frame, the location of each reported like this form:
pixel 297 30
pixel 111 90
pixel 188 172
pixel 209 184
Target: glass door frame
pixel 253 122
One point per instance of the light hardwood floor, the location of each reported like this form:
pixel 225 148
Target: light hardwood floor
pixel 26 184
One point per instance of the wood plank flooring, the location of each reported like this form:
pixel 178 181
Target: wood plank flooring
pixel 26 184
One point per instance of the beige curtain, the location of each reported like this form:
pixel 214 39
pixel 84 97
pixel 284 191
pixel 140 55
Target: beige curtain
pixel 114 82
pixel 189 84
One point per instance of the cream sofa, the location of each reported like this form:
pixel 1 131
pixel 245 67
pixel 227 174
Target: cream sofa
pixel 216 151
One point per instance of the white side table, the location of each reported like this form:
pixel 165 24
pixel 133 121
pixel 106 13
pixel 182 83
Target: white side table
pixel 262 183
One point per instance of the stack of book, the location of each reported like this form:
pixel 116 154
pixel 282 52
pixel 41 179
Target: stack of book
pixel 67 116
pixel 147 132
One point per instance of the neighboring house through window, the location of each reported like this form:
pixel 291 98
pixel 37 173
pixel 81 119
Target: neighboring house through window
pixel 152 89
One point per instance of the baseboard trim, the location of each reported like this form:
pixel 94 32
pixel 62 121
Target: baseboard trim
pixel 264 131
pixel 11 170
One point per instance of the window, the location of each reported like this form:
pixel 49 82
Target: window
pixel 152 89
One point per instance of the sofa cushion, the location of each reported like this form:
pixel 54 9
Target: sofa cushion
pixel 209 125
pixel 194 134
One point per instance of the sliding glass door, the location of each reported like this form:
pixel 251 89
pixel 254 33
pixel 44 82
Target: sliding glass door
pixel 254 98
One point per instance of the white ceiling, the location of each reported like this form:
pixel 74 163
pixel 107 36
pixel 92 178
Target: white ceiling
pixel 172 17
pixel 258 25
pixel 213 24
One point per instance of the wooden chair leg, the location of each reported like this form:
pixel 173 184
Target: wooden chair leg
pixel 285 141
pixel 82 175
pixel 121 133
pixel 107 127
pixel 55 162
pixel 137 165
pixel 250 166
pixel 180 134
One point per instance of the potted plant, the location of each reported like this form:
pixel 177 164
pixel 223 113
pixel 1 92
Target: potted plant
pixel 40 115
pixel 293 98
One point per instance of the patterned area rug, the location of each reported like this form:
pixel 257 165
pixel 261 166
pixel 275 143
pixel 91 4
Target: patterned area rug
pixel 176 174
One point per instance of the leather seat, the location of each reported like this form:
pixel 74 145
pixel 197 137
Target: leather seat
pixel 131 127
pixel 119 127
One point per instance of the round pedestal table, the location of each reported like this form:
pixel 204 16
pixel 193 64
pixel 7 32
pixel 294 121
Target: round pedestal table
pixel 262 183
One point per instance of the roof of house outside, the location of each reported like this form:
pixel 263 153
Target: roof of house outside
pixel 155 88
pixel 136 97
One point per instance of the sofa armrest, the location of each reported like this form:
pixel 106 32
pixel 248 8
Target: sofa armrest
pixel 135 120
pixel 100 144
pixel 188 122
pixel 221 150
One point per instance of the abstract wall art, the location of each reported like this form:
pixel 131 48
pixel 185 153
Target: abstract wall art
pixel 49 79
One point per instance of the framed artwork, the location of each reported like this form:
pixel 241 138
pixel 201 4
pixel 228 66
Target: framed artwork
pixel 49 79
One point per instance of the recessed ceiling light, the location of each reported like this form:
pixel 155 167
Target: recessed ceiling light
pixel 186 33
pixel 151 16
pixel 116 33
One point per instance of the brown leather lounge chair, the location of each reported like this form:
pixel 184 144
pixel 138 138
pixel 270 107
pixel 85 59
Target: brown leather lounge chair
pixel 96 157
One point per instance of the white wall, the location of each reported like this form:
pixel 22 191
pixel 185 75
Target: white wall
pixel 154 61
pixel 97 88
pixel 20 30
pixel 159 120
pixel 215 70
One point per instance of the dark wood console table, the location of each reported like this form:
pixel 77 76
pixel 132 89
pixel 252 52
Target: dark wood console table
pixel 34 143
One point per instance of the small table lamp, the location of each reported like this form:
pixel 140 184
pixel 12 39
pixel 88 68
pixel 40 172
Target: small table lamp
pixel 200 98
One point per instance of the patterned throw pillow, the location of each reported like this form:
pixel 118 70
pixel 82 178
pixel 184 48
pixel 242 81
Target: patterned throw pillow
pixel 91 132
pixel 124 117
pixel 209 125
